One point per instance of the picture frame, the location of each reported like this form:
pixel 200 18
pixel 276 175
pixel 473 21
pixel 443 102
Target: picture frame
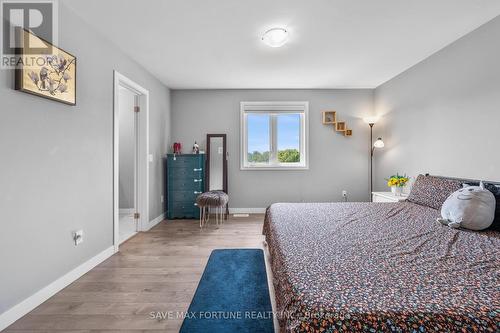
pixel 51 75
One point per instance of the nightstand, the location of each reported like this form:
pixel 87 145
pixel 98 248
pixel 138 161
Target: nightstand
pixel 388 197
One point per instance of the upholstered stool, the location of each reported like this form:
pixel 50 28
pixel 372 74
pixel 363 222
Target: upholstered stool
pixel 212 199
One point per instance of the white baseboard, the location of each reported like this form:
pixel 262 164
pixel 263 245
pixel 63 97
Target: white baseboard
pixel 17 311
pixel 155 221
pixel 247 210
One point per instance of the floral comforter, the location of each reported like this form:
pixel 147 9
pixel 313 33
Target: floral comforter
pixel 380 267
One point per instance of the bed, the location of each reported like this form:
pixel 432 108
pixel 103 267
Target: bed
pixel 380 267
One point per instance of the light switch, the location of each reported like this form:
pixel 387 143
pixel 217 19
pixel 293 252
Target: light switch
pixel 221 150
pixel 151 157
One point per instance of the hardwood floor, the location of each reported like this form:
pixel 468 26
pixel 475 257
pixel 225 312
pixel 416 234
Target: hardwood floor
pixel 155 271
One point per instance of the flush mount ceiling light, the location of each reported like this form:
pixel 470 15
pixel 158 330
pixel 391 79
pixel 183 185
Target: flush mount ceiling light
pixel 275 37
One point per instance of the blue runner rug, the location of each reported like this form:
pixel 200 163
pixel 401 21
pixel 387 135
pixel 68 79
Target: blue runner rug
pixel 232 295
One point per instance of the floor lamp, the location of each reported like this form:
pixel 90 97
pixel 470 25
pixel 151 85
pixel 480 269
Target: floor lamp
pixel 377 144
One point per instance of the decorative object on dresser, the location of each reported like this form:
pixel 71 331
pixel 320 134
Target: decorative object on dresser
pixel 377 144
pixel 185 180
pixel 177 148
pixel 196 148
pixel 388 197
pixel 330 118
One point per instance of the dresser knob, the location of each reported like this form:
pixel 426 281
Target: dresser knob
pixel 197 192
pixel 195 204
pixel 197 169
pixel 197 180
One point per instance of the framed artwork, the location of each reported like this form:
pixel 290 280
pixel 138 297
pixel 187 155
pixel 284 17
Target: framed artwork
pixel 51 75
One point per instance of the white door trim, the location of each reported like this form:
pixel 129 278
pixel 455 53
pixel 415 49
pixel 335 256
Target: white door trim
pixel 142 159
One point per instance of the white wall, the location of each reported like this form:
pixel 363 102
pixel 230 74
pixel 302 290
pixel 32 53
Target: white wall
pixel 442 116
pixel 336 162
pixel 56 171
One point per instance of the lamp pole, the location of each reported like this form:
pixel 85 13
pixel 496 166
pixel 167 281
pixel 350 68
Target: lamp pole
pixel 371 160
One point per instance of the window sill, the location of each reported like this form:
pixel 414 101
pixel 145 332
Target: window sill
pixel 274 168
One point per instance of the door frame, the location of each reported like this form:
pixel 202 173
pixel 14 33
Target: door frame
pixel 142 191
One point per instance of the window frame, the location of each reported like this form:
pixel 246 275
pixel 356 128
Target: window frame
pixel 275 108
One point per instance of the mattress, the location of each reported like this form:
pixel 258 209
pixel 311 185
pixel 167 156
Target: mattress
pixel 380 267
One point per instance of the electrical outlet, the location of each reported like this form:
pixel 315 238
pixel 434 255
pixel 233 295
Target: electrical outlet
pixel 344 193
pixel 78 237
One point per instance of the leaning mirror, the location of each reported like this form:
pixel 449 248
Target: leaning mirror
pixel 216 162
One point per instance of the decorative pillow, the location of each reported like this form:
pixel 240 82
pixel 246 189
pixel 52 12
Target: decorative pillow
pixel 472 207
pixel 432 191
pixel 495 189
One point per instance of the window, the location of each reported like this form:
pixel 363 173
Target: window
pixel 274 135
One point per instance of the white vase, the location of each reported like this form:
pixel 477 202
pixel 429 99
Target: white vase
pixel 397 190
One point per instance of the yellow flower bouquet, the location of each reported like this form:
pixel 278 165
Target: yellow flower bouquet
pixel 397 182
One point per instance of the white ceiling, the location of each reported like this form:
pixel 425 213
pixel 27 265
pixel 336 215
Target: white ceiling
pixel 333 43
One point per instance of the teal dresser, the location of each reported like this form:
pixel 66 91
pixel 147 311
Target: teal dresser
pixel 185 179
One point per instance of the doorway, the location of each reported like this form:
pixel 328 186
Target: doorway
pixel 130 159
pixel 127 163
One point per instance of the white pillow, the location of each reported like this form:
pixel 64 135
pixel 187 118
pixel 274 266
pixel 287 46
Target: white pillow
pixel 472 207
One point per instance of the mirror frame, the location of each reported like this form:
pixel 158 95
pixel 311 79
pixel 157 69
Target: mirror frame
pixel 224 162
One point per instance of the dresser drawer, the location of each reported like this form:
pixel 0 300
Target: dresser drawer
pixel 183 210
pixel 182 205
pixel 187 162
pixel 184 195
pixel 387 197
pixel 186 184
pixel 188 213
pixel 190 172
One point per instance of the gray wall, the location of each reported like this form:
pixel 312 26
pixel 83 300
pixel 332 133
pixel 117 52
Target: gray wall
pixel 336 162
pixel 56 168
pixel 442 116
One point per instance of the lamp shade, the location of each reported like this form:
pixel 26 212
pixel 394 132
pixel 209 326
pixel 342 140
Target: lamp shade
pixel 371 120
pixel 379 143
